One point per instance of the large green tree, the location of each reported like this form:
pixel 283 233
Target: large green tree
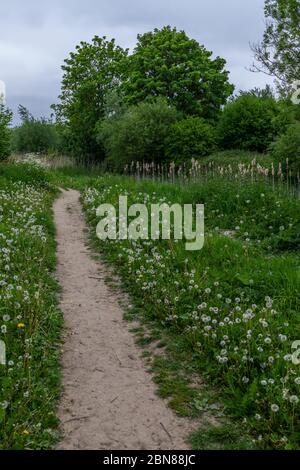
pixel 168 63
pixel 90 73
pixel 278 54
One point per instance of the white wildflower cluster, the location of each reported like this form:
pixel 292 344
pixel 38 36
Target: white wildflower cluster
pixel 23 240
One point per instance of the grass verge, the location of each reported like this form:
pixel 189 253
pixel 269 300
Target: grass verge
pixel 30 322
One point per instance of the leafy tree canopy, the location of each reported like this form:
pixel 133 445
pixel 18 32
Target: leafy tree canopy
pixel 90 72
pixel 167 63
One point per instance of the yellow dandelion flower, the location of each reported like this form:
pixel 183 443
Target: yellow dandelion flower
pixel 21 325
pixel 25 432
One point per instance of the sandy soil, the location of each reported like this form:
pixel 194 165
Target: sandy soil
pixel 109 399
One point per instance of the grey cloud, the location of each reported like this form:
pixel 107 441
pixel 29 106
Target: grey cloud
pixel 36 36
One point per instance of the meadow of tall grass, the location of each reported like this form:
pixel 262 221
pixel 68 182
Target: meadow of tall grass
pixel 234 304
pixel 229 312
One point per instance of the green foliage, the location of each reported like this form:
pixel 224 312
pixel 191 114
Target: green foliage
pixel 189 138
pixel 5 134
pixel 26 173
pixel 139 133
pixel 287 146
pixel 279 53
pixel 168 63
pixel 251 123
pixel 90 73
pixel 223 437
pixel 34 135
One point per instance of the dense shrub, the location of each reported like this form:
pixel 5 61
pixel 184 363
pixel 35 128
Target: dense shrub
pixel 287 146
pixel 139 133
pixel 5 119
pixel 190 138
pixel 251 123
pixel 35 135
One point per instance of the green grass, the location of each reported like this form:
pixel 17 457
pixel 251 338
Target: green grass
pixel 237 157
pixel 29 319
pixel 227 314
pixel 223 437
pixel 234 305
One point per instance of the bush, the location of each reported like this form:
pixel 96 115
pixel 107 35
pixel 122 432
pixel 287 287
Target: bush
pixel 5 119
pixel 287 146
pixel 190 138
pixel 138 134
pixel 251 123
pixel 34 135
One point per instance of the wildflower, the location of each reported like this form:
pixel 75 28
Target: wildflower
pixel 202 306
pixel 25 432
pixel 4 405
pixel 3 329
pixel 294 399
pixel 297 381
pixel 6 318
pixel 275 408
pixel 282 337
pixel 20 325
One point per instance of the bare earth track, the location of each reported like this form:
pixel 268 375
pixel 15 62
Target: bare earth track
pixel 109 399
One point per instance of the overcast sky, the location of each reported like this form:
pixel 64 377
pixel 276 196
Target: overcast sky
pixel 36 36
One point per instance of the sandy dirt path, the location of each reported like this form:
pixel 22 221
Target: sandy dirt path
pixel 109 399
